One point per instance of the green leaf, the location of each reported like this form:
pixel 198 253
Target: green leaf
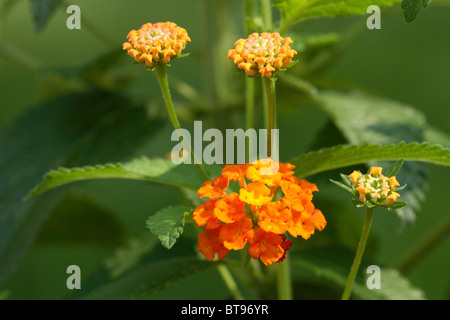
pixel 138 251
pixel 152 170
pixel 73 130
pixel 126 257
pixel 436 136
pixel 394 286
pixel 343 186
pixel 329 266
pixel 412 8
pixel 357 203
pixel 400 188
pixel 168 224
pixel 42 11
pixel 148 278
pixel 394 169
pixel 56 178
pixel 396 205
pixel 369 204
pixel 364 118
pixel 345 156
pixel 368 119
pixel 332 265
pixel 164 171
pixel 297 10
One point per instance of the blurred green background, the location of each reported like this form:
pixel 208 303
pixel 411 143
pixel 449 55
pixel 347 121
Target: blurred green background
pixel 406 62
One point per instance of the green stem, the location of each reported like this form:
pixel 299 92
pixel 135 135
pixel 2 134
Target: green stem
pixel 161 74
pixel 270 112
pixel 164 84
pixel 267 14
pixel 249 102
pixel 284 283
pixel 359 253
pixel 229 282
pixel 249 112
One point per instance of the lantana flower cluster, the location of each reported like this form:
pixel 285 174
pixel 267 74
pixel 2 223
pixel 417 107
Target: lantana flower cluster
pixel 374 187
pixel 262 54
pixel 156 43
pixel 260 213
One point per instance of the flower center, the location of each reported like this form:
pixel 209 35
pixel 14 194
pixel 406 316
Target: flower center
pixel 262 46
pixel 377 187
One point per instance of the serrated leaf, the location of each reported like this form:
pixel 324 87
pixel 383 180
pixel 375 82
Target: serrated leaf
pixel 152 170
pixel 394 169
pixel 73 130
pixel 297 10
pixel 42 11
pixel 63 176
pixel 363 118
pixel 367 119
pixel 412 7
pixel 345 156
pixel 148 278
pixel 168 224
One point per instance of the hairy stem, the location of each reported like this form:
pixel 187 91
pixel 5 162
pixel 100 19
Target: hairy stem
pixel 164 84
pixel 359 253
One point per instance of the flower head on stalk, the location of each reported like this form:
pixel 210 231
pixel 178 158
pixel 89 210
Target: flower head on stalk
pixel 156 43
pixel 266 207
pixel 262 54
pixel 374 189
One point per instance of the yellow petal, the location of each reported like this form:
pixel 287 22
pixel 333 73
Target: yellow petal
pixel 376 171
pixel 355 176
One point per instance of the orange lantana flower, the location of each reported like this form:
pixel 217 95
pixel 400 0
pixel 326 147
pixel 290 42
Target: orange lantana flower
pixel 235 235
pixel 256 215
pixel 256 194
pixel 230 208
pixel 209 244
pixel 275 217
pixel 156 43
pixel 214 189
pixel 262 54
pixel 204 215
pixel 266 245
